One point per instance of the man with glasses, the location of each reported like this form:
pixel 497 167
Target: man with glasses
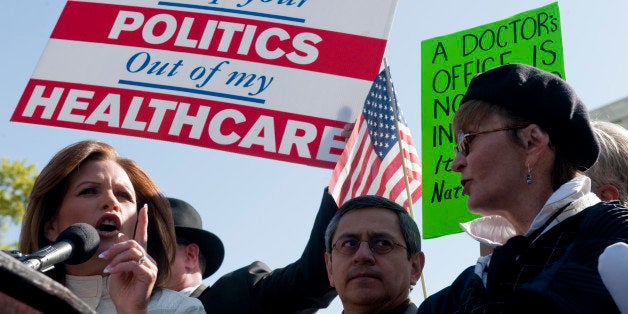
pixel 373 256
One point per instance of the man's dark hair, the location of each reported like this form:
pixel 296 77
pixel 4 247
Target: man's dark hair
pixel 409 229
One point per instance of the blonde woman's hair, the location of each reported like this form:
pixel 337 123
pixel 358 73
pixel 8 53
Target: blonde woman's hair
pixel 611 166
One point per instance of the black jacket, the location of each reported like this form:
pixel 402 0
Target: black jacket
pixel 301 287
pixel 556 273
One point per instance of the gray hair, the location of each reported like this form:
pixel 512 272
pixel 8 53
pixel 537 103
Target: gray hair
pixel 611 166
pixel 409 229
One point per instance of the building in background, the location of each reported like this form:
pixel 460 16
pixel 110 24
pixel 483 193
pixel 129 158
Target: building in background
pixel 616 112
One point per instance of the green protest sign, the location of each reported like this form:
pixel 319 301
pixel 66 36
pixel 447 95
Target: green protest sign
pixel 447 65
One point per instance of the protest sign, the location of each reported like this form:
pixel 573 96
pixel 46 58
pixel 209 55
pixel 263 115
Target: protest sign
pixel 447 65
pixel 275 79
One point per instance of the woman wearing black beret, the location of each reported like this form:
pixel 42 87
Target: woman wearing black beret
pixel 523 141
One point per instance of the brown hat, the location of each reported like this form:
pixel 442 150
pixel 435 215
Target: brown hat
pixel 188 224
pixel 544 99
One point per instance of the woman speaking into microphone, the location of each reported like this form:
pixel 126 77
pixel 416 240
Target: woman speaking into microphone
pixel 88 182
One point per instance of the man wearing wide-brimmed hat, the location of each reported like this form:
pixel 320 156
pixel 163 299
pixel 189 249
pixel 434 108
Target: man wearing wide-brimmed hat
pixel 199 252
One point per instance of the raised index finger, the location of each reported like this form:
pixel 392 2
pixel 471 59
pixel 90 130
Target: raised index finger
pixel 141 229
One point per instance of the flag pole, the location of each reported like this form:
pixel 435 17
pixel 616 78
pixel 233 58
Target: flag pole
pixel 393 101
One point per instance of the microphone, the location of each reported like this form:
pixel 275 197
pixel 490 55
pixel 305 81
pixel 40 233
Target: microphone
pixel 75 245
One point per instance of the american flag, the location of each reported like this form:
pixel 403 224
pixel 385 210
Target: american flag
pixel 371 162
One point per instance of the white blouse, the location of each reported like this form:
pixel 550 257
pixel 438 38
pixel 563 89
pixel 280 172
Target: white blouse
pixel 94 290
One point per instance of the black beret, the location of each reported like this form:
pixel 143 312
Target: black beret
pixel 543 99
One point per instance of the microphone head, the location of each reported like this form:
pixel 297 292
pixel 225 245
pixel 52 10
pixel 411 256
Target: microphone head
pixel 84 239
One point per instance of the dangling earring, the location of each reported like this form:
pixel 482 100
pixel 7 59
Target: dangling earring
pixel 529 176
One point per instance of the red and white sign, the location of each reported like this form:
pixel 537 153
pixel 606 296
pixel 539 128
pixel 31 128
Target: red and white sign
pixel 270 78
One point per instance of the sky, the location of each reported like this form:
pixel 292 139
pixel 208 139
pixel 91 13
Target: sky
pixel 264 209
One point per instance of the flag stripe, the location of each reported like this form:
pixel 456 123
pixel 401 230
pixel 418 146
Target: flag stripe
pixel 351 158
pixel 362 165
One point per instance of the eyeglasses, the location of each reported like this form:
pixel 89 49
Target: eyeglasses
pixel 464 140
pixel 377 245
